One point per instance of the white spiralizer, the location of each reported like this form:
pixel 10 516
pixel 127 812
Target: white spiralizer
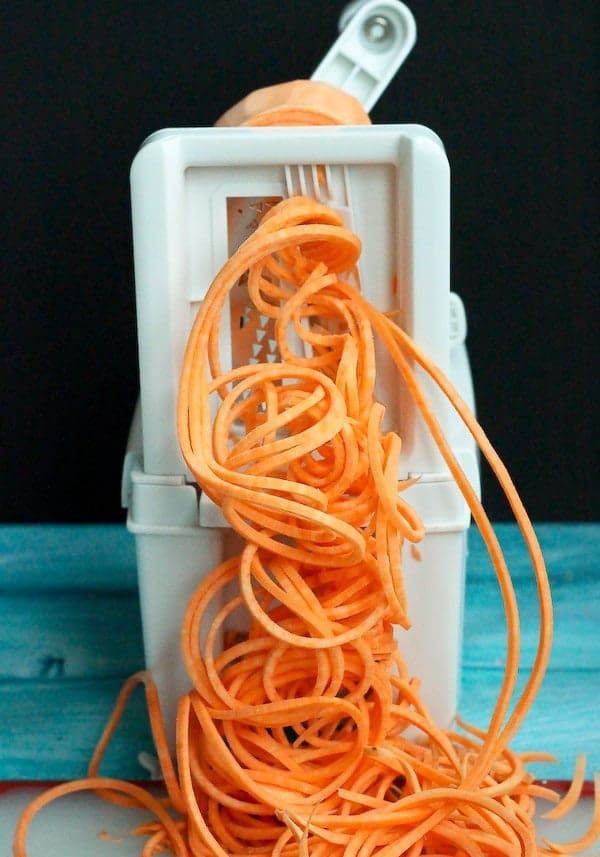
pixel 196 193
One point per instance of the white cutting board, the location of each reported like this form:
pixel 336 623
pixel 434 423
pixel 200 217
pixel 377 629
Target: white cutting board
pixel 82 825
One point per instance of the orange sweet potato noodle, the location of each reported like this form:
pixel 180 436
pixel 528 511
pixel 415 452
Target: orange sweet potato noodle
pixel 307 736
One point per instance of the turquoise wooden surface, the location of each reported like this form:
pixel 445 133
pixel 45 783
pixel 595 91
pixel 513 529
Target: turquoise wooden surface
pixel 70 633
pixel 565 718
pixel 58 557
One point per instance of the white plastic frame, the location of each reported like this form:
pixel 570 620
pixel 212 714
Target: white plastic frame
pixel 393 183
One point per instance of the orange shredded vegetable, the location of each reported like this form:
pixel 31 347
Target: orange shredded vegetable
pixel 297 739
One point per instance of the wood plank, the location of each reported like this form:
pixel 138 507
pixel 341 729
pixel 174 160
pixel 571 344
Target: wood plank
pixel 68 556
pixel 564 719
pixel 49 729
pixel 568 548
pixel 576 596
pixel 69 634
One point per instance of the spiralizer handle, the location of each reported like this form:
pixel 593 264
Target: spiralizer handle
pixel 376 37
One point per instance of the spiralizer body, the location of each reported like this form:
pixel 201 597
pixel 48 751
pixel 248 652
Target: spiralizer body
pixel 197 193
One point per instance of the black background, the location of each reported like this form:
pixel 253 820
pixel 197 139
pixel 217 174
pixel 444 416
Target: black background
pixel 509 87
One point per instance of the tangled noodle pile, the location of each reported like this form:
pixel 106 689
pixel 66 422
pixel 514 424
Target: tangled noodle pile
pixel 305 736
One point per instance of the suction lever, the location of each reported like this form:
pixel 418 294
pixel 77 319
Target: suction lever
pixel 375 38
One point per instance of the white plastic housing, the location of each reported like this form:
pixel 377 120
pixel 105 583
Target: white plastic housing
pixel 193 192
